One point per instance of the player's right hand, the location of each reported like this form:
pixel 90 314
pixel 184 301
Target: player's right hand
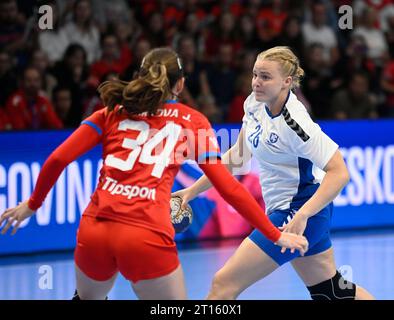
pixel 293 242
pixel 15 216
pixel 186 195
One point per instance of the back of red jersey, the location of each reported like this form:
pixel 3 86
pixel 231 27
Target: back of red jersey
pixel 142 155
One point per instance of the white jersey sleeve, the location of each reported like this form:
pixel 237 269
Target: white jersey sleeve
pixel 306 138
pixel 248 110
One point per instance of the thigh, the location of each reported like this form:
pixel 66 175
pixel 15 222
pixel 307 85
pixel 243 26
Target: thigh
pixel 316 268
pixel 90 289
pixel 246 266
pixel 93 254
pixel 168 287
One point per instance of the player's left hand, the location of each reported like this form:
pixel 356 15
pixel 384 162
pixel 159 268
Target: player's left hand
pixel 17 214
pixel 296 225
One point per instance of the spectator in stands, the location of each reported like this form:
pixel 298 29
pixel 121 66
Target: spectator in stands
pixel 207 106
pixel 208 31
pixel 387 83
pixel 29 108
pixel 127 34
pixel 62 102
pixel 39 60
pixel 374 37
pixel 52 41
pixel 93 101
pixel 196 81
pixel 110 59
pixel 109 12
pixel 12 27
pixel 390 35
pixel 154 31
pixel 222 77
pixel 223 33
pixel 72 72
pixel 274 15
pixel 246 61
pixel 8 84
pixel 292 37
pixel 317 31
pixel 354 59
pixel 141 48
pixel 8 78
pixel 243 88
pixel 356 101
pixel 317 79
pixel 81 30
pixel 248 34
pixel 383 8
pixel 193 25
pixel 267 39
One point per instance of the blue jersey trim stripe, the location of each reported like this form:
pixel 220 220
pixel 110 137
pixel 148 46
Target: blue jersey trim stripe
pixel 93 125
pixel 209 155
pixel 306 186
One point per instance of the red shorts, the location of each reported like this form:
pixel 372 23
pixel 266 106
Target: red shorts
pixel 105 247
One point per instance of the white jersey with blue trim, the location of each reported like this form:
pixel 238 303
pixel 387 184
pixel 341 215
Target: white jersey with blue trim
pixel 291 151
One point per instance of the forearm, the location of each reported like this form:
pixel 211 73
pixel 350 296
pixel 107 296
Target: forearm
pixel 330 187
pixel 203 183
pixel 49 173
pixel 240 199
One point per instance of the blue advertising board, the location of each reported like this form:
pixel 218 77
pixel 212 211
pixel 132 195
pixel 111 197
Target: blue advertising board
pixel 366 202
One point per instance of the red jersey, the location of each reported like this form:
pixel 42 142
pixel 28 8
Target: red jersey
pixel 142 155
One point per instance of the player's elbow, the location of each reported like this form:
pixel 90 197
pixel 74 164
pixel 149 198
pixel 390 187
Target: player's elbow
pixel 337 167
pixel 346 176
pixel 343 176
pixel 339 175
pixel 56 160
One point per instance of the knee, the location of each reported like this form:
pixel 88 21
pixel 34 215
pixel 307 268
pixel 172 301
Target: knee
pixel 222 288
pixel 336 288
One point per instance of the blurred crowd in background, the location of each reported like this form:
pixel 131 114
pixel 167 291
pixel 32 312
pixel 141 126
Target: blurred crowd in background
pixel 49 78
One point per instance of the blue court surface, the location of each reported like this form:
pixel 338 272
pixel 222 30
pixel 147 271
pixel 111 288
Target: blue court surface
pixel 367 257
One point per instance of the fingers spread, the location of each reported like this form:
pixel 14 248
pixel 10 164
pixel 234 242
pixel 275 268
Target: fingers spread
pixel 8 225
pixel 16 228
pixel 6 215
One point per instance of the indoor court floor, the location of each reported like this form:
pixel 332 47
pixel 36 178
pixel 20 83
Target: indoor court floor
pixel 366 257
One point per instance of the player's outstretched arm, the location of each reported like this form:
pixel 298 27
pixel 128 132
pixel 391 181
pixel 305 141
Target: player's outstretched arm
pixel 237 155
pixel 237 196
pixel 80 141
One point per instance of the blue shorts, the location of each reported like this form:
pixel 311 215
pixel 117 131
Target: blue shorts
pixel 317 232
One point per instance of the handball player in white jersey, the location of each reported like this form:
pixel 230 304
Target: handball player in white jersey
pixel 301 172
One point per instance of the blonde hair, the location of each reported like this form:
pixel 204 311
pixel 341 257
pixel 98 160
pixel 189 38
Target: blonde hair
pixel 288 61
pixel 160 70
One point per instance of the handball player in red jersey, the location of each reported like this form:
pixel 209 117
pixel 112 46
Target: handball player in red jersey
pixel 126 228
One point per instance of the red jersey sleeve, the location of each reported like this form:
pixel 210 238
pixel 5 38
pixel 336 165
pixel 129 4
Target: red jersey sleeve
pixel 206 144
pixel 236 195
pixel 80 141
pixel 96 120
